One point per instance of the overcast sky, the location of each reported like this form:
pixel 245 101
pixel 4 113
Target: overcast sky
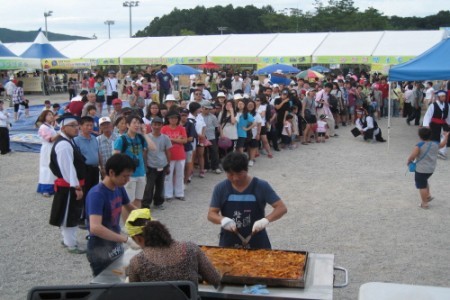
pixel 87 17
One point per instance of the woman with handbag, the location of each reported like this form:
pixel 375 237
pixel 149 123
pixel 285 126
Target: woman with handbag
pixel 228 125
pixel 424 157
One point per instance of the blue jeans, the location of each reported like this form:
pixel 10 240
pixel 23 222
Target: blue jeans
pixel 386 107
pixel 396 108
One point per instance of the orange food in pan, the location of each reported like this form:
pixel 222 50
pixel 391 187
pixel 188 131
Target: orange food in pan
pixel 256 263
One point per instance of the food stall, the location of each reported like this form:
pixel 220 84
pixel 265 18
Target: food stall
pixel 316 280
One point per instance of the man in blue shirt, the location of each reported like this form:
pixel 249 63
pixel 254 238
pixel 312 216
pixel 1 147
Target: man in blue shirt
pixel 165 83
pixel 88 145
pixel 104 205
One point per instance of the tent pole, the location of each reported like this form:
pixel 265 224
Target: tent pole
pixel 389 115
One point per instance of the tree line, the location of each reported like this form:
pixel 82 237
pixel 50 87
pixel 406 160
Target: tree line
pixel 335 15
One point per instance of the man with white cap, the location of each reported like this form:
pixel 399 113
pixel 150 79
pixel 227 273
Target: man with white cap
pixel 437 118
pixel 67 164
pixel 105 143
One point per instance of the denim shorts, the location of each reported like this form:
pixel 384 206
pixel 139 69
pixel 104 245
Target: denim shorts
pixel 189 156
pixel 101 253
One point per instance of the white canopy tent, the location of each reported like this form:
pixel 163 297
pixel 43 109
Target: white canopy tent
pixel 108 53
pixel 347 47
pixel 240 49
pixel 292 48
pixel 149 50
pixel 378 47
pixel 395 46
pixel 194 49
pixel 79 48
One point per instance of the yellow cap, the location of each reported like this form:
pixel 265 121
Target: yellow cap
pixel 143 213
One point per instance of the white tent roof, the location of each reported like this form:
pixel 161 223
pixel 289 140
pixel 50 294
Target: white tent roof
pixel 61 44
pixel 407 43
pixel 196 46
pixel 18 48
pixel 80 48
pixel 294 44
pixel 386 47
pixel 349 43
pixel 153 47
pixel 114 48
pixel 242 45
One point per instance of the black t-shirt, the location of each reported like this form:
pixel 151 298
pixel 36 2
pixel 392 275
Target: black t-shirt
pixel 283 109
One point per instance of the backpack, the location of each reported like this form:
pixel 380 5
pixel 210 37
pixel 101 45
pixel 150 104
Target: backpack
pixel 125 142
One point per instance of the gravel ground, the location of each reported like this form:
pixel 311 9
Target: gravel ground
pixel 344 197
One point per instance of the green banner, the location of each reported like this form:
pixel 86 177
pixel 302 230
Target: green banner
pixel 342 60
pixel 59 64
pixel 104 62
pixel 19 63
pixel 140 61
pixel 390 60
pixel 222 60
pixel 289 60
pixel 194 60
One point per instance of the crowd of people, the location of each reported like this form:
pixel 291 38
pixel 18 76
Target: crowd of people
pixel 100 166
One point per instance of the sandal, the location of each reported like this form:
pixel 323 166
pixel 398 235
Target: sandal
pixel 424 206
pixel 304 143
pixel 430 199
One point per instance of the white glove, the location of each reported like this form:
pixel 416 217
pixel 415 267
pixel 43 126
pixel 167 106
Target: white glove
pixel 260 225
pixel 132 244
pixel 228 224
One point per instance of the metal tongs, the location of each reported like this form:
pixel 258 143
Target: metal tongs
pixel 244 241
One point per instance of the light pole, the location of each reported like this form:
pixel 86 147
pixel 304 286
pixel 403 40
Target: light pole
pixel 222 29
pixel 109 23
pixel 47 14
pixel 130 4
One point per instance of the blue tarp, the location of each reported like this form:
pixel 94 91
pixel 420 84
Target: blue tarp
pixel 434 64
pixel 5 52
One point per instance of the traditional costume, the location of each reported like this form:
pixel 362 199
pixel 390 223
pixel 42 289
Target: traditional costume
pixel 67 164
pixel 46 177
pixel 437 118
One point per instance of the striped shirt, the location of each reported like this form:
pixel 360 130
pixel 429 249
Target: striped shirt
pixel 105 147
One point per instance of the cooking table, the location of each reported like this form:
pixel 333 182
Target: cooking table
pixel 319 281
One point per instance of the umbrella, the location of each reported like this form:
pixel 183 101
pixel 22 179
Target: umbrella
pixel 177 70
pixel 309 74
pixel 320 69
pixel 209 65
pixel 279 79
pixel 277 68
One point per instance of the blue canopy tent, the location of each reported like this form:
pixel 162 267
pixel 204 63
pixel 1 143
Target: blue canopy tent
pixel 434 64
pixel 42 49
pixel 5 52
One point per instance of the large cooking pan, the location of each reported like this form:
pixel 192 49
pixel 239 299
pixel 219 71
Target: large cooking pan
pixel 250 280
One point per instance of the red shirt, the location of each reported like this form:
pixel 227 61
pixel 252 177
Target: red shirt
pixel 75 107
pixel 384 88
pixel 177 150
pixel 91 82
